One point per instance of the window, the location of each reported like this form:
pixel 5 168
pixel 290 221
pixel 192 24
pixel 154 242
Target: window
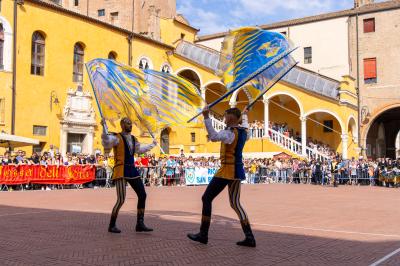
pixel 112 55
pixel 307 55
pixel 182 36
pixel 76 3
pixel 101 12
pixel 37 65
pixel 39 130
pixel 328 126
pixel 370 70
pixel 78 63
pixel 2 111
pixel 283 33
pixel 166 68
pixel 369 25
pixel 193 135
pixel 1 47
pixel 144 63
pixel 114 16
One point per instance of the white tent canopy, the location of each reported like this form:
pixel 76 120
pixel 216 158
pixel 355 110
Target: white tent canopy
pixel 12 141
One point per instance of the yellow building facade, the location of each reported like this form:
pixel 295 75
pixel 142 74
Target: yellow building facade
pixel 54 101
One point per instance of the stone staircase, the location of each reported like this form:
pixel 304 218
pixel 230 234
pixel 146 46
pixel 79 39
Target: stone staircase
pixel 287 144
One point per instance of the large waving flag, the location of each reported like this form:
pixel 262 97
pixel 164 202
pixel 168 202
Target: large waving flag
pixel 259 85
pixel 175 99
pixel 152 100
pixel 246 52
pixel 249 55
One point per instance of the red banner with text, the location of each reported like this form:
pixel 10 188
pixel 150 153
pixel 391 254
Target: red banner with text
pixel 51 174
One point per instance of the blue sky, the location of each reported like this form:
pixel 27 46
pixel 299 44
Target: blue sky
pixel 212 16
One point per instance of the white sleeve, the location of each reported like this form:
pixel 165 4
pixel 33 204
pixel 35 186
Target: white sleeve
pixel 109 141
pixel 143 148
pixel 245 124
pixel 225 136
pixel 245 121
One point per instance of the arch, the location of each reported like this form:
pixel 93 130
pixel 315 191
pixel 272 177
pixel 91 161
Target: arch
pixel 166 67
pixel 343 129
pixel 220 87
pixel 112 55
pixel 7 44
pixel 141 62
pixel 354 128
pixel 270 96
pixel 372 120
pixel 210 82
pixel 78 62
pixel 179 71
pixel 386 121
pixel 38 55
pixel 6 25
pixel 214 91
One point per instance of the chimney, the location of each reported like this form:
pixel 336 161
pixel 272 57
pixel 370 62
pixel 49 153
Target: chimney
pixel 360 3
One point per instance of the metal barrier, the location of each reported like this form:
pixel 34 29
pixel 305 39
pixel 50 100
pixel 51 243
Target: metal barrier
pixel 172 176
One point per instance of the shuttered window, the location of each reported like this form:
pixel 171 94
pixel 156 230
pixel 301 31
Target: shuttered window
pixel 370 75
pixel 369 25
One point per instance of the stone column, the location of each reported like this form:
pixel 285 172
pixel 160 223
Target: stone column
pixel 63 140
pixel 345 141
pixel 303 135
pixel 266 117
pixel 89 143
pixel 203 93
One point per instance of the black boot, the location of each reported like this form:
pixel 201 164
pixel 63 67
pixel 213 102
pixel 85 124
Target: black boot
pixel 202 236
pixel 112 228
pixel 140 226
pixel 249 241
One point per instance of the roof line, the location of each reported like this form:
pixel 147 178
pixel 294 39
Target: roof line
pixel 370 8
pixel 91 19
pixel 186 25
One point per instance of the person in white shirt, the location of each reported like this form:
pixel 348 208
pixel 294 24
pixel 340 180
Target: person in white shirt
pixel 124 147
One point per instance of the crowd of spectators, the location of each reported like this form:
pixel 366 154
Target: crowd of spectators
pixel 170 170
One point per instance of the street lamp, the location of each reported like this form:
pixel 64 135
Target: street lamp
pixel 53 95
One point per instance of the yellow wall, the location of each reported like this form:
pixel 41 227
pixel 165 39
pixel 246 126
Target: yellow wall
pixel 171 31
pixel 33 92
pixel 6 76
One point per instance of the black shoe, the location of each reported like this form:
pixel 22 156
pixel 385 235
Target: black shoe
pixel 141 227
pixel 247 242
pixel 114 230
pixel 198 238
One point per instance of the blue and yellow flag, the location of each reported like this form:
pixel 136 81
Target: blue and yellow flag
pixel 175 98
pixel 259 85
pixel 246 52
pixel 152 100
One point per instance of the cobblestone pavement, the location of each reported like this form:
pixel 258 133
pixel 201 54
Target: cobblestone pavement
pixel 293 225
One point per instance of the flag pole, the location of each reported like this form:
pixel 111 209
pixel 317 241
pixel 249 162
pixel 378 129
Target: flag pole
pixel 244 82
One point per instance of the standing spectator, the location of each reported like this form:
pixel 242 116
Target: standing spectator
pixel 51 151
